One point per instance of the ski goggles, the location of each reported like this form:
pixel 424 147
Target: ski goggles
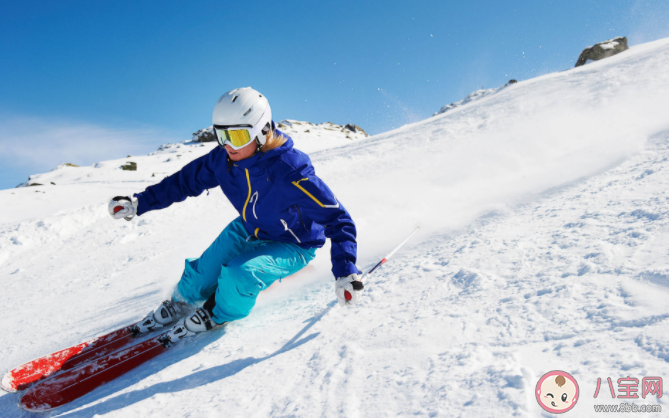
pixel 236 137
pixel 240 136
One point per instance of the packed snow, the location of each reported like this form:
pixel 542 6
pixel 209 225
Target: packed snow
pixel 610 44
pixel 543 246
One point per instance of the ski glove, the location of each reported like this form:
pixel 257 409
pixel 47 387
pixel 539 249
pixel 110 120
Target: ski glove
pixel 348 289
pixel 123 207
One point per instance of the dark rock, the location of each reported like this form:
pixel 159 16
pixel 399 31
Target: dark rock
pixel 35 184
pixel 130 166
pixel 512 81
pixel 602 50
pixel 53 183
pixel 355 128
pixel 204 135
pixel 69 165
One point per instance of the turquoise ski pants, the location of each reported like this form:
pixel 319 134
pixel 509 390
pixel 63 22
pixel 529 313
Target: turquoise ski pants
pixel 237 269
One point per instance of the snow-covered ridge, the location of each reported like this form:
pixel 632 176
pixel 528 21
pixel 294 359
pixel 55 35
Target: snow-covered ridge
pixel 472 97
pixel 322 136
pixel 307 136
pixel 300 128
pixel 169 158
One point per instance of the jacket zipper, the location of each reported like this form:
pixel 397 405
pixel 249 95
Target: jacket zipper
pixel 299 215
pixel 248 180
pixel 285 225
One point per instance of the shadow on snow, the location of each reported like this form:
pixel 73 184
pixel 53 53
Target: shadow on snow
pixel 191 381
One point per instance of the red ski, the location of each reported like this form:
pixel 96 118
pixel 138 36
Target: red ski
pixel 74 383
pixel 27 374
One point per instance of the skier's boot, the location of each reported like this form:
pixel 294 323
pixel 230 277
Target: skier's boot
pixel 166 313
pixel 200 321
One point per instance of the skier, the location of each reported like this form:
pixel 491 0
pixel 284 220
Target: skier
pixel 286 212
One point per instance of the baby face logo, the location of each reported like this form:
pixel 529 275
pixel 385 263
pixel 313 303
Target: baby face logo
pixel 557 392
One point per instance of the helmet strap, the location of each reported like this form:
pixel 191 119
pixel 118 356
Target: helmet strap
pixel 266 128
pixel 264 132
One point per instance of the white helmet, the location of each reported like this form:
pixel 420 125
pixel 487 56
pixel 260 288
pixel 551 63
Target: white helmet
pixel 240 116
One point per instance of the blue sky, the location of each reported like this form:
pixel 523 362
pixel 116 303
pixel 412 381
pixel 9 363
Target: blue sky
pixel 84 81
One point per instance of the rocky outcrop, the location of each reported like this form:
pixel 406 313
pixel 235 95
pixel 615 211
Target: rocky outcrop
pixel 473 96
pixel 291 127
pixel 602 50
pixel 355 128
pixel 130 166
pixel 204 135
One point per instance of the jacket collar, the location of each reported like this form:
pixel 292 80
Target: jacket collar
pixel 262 156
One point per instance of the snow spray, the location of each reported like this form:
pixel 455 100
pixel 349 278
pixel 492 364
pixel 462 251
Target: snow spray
pixel 348 296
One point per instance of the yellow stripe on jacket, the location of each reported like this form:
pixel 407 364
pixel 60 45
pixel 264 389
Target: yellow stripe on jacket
pixel 297 184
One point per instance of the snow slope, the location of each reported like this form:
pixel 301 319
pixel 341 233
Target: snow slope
pixel 543 244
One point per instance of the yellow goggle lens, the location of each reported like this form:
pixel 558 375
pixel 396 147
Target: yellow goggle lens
pixel 237 138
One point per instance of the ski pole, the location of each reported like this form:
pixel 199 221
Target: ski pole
pixel 348 296
pixel 386 258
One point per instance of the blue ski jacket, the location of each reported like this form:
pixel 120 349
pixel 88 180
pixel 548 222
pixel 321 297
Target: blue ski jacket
pixel 277 194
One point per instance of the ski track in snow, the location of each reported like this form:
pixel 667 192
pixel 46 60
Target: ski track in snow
pixel 544 246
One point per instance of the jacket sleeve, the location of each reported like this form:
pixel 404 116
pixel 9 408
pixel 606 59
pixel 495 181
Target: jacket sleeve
pixel 320 204
pixel 191 180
